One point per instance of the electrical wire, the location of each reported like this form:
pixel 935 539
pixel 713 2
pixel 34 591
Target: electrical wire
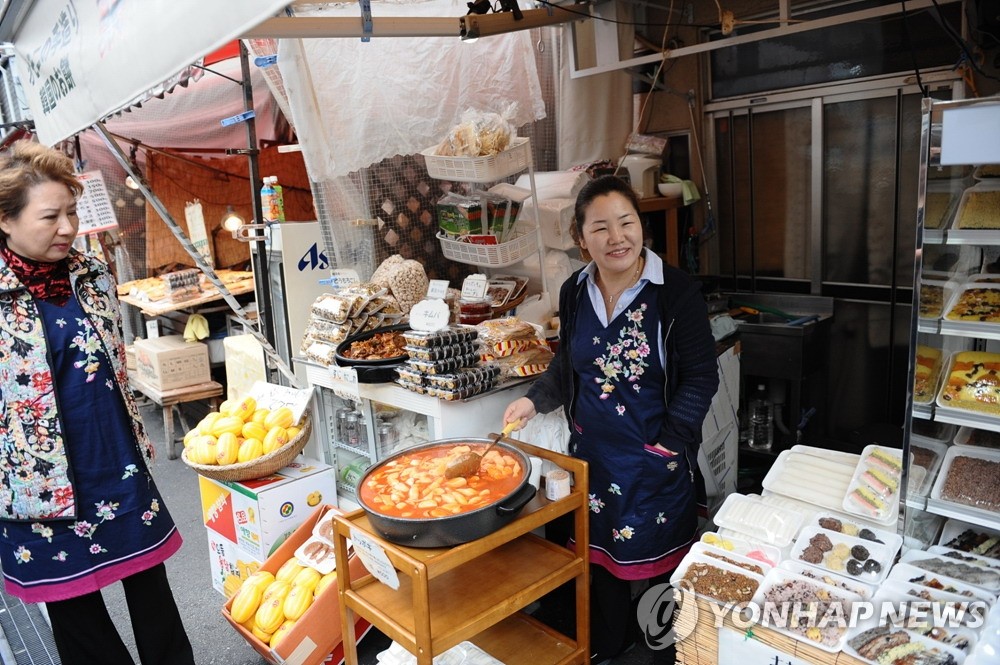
pixel 957 38
pixel 924 92
pixel 564 8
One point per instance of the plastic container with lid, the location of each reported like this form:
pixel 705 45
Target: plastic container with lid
pixel 472 312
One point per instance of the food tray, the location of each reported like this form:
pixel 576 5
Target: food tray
pixel 836 634
pixel 806 510
pixel 981 235
pixel 961 571
pixel 986 171
pixel 504 254
pixel 876 480
pixel 908 573
pixel 932 299
pixel 933 431
pixel 928 643
pixel 693 557
pixel 987 293
pixel 928 364
pixel 794 474
pixel 866 591
pixel 761 552
pixel 880 556
pixel 935 452
pixel 758 519
pixel 925 599
pixel 988 540
pixel 939 206
pixel 979 483
pixel 730 534
pixel 738 560
pixel 854 528
pixel 489 168
pixel 967 436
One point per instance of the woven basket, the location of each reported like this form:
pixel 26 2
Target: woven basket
pixel 264 465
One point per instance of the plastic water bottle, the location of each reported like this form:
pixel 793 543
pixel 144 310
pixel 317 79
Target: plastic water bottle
pixel 761 420
pixel 268 203
pixel 279 197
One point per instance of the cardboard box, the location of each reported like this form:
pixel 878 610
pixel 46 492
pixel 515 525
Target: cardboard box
pixel 227 559
pixel 259 514
pixel 169 362
pixel 317 635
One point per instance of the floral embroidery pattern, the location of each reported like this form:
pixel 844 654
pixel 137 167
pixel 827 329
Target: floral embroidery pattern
pixel 596 504
pixel 61 322
pixel 147 517
pixel 42 530
pixel 615 489
pixel 22 554
pixel 106 510
pixel 597 340
pixel 97 549
pixel 84 529
pixel 61 556
pixel 625 359
pixel 671 466
pixel 660 519
pixel 130 471
pixel 89 343
pixel 623 534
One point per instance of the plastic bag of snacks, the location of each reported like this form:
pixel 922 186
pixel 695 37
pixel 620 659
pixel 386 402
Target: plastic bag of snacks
pixel 408 284
pixel 479 134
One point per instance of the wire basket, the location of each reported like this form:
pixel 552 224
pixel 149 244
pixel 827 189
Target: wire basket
pixel 514 159
pixel 262 466
pixel 493 256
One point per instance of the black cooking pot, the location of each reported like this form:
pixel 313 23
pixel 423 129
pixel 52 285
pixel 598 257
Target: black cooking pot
pixel 454 529
pixel 382 370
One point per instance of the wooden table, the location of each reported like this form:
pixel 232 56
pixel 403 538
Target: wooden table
pixel 668 205
pixel 168 399
pixel 165 306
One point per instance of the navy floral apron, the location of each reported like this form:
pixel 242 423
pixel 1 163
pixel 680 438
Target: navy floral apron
pixel 642 501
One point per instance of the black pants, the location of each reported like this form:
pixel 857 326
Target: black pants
pixel 85 635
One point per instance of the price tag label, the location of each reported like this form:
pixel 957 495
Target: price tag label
pixel 374 559
pixel 94 206
pixel 341 278
pixel 345 383
pixel 437 288
pixel 430 315
pixel 474 287
pixel 272 396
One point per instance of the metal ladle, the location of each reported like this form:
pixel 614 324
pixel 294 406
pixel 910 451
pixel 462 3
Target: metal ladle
pixel 467 464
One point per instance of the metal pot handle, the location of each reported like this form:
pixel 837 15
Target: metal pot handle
pixel 517 501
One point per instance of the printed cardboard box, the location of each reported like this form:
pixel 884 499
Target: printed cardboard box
pixel 169 362
pixel 317 635
pixel 259 514
pixel 229 563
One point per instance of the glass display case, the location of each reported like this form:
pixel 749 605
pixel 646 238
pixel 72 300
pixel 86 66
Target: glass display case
pixel 952 442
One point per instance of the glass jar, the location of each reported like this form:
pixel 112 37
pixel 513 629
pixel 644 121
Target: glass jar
pixel 362 431
pixel 351 429
pixel 387 437
pixel 340 434
pixel 471 312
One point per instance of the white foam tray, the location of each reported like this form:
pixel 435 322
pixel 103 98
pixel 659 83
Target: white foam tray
pixel 963 451
pixel 796 473
pixel 753 517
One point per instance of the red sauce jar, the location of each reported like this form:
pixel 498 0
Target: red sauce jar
pixel 471 312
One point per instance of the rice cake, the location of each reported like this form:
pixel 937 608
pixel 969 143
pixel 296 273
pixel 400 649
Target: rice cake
pixel 935 207
pixel 981 210
pixel 973 382
pixel 976 304
pixel 928 368
pixel 931 301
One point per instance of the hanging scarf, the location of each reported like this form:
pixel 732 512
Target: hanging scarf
pixel 45 281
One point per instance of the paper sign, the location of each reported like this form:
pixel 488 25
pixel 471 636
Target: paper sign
pixel 374 558
pixel 474 287
pixel 94 206
pixel 430 315
pixel 969 136
pixel 437 288
pixel 345 383
pixel 341 278
pixel 271 396
pixel 195 218
pixel 152 329
pixel 737 647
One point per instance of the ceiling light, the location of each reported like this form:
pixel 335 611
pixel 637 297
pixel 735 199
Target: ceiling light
pixel 231 220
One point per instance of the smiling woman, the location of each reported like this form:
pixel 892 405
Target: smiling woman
pixel 78 506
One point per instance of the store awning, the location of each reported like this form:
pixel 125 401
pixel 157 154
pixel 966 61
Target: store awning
pixel 81 62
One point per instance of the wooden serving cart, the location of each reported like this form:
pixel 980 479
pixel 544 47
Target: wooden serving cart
pixel 476 591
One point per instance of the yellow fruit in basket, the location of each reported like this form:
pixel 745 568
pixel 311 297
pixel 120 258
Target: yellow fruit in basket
pixel 297 602
pixel 249 624
pixel 270 614
pixel 276 589
pixel 204 450
pixel 224 424
pixel 205 424
pixel 281 633
pixel 260 634
pixel 276 438
pixel 250 449
pixel 324 582
pixel 190 436
pixel 252 430
pixel 260 578
pixel 245 408
pixel 226 449
pixel 293 432
pixel 308 578
pixel 260 415
pixel 280 417
pixel 288 570
pixel 245 603
pixel 226 407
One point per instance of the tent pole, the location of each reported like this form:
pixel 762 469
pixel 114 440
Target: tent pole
pixel 196 256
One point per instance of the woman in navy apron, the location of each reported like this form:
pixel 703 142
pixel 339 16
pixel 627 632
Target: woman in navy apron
pixel 635 373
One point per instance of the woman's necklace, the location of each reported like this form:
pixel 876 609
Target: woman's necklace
pixel 635 276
